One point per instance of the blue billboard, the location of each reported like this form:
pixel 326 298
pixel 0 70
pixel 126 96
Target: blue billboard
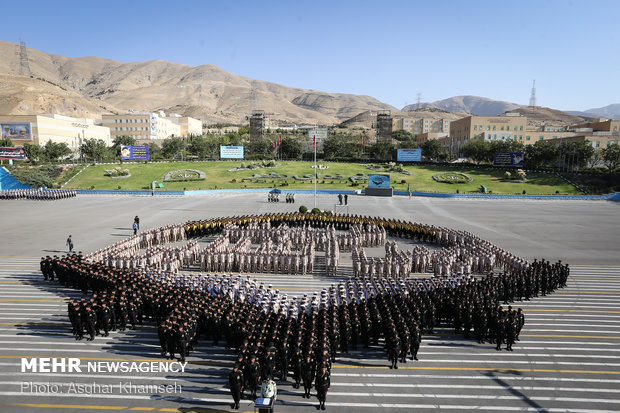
pixel 231 152
pixel 134 152
pixel 409 155
pixel 508 159
pixel 378 181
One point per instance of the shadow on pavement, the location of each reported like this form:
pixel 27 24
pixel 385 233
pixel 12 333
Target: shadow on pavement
pixel 512 390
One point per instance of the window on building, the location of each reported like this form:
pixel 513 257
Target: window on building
pixel 521 127
pixel 527 138
pixel 502 128
pixel 540 138
pixel 597 144
pixel 488 127
pixel 494 127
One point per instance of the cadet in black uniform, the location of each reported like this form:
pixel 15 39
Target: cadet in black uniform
pixel 322 384
pixel 235 382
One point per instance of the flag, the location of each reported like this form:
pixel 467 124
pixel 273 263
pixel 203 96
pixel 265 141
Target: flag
pixel 362 139
pixel 280 139
pixel 314 141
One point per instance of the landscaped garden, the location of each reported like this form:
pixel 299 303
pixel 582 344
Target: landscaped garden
pixel 300 175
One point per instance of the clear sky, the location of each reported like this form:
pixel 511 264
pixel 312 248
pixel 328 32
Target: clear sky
pixel 390 50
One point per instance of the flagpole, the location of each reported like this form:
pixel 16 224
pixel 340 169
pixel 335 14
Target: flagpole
pixel 315 171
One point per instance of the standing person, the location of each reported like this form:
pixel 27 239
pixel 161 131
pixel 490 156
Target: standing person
pixel 322 386
pixel 70 243
pixel 340 198
pixel 235 381
pixel 135 228
pixel 346 199
pixel 137 221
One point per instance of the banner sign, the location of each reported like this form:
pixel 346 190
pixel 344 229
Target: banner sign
pixel 13 153
pixel 134 152
pixel 378 181
pixel 231 152
pixel 409 155
pixel 16 131
pixel 508 159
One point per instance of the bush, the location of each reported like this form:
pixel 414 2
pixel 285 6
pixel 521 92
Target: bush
pixel 524 192
pixel 507 175
pixel 303 209
pixel 315 211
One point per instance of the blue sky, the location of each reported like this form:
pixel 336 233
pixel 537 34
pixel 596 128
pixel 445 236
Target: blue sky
pixel 390 50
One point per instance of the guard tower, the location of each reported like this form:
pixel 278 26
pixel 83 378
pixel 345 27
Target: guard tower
pixel 384 126
pixel 257 125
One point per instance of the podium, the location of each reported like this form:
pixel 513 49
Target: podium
pixel 264 405
pixel 378 191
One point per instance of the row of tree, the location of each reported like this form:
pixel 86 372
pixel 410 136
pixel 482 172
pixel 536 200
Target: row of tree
pixel 568 156
pixel 339 144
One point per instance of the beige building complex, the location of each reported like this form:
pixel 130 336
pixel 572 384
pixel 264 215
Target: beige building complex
pixel 40 129
pixel 146 125
pixel 419 126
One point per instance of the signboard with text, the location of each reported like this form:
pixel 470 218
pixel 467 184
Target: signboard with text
pixel 16 131
pixel 409 155
pixel 378 181
pixel 134 152
pixel 13 153
pixel 508 159
pixel 231 152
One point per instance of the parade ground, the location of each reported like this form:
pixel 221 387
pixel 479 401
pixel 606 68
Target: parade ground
pixel 566 359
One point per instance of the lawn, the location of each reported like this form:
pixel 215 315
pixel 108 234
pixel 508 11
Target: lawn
pixel 218 177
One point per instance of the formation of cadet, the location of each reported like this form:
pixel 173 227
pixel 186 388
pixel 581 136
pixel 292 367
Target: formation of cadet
pixel 274 334
pixel 275 197
pixel 290 198
pixel 38 194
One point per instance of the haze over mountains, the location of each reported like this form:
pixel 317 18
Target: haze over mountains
pixel 482 106
pixel 90 86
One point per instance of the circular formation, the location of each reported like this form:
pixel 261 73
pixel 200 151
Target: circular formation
pixel 274 333
pixel 453 178
pixel 182 175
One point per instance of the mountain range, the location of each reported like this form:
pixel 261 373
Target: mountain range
pixel 91 86
pixel 482 106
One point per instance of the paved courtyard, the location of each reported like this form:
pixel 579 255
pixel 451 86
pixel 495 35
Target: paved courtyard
pixel 567 359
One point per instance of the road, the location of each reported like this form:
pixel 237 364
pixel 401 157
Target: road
pixel 567 359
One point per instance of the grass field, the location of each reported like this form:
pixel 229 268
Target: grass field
pixel 218 177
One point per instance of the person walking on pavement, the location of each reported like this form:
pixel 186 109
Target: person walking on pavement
pixel 70 243
pixel 235 381
pixel 137 221
pixel 135 228
pixel 340 198
pixel 346 199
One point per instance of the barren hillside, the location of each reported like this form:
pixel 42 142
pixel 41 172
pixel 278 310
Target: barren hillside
pixel 206 92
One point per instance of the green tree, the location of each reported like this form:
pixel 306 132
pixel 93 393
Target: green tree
pixel 431 149
pixel 478 150
pixel 154 151
pixel 6 142
pixel 402 135
pixel 510 145
pixel 290 148
pixel 576 155
pixel 261 147
pixel 382 150
pixel 408 144
pixel 540 154
pixel 611 157
pixel 119 141
pixel 95 150
pixel 35 153
pixel 55 150
pixel 171 147
pixel 201 147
